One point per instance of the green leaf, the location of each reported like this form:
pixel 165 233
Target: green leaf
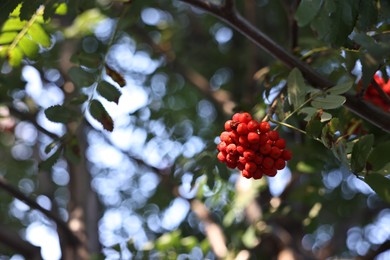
pixel 29 47
pixel 90 60
pixel 39 35
pixel 7 6
pixel 47 164
pixel 328 101
pixel 15 57
pixel 78 100
pixel 380 184
pixel 360 152
pixel 368 15
pixel 307 10
pixel 80 77
pixel 379 156
pixel 336 20
pixel 296 87
pixel 100 114
pixel 314 126
pixel 7 37
pixel 340 88
pixel 310 111
pixel 108 91
pixel 59 114
pixel 13 24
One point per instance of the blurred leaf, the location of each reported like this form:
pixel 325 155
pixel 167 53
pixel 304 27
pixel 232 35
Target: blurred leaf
pixel 80 77
pixel 100 114
pixel 118 78
pixel 72 150
pixel 47 164
pixel 59 114
pixel 328 101
pixel 108 91
pixel 307 10
pixel 7 6
pixel 296 87
pixel 168 240
pixel 189 242
pixel 39 35
pixel 249 238
pixel 15 57
pixel 90 60
pixel 78 100
pixel 29 47
pixel 7 37
pixel 379 156
pixel 380 184
pixel 368 15
pixel 360 152
pixel 84 23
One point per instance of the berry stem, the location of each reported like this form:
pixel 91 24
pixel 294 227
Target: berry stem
pixel 292 127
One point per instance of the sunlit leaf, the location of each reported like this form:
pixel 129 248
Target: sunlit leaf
pixel 7 37
pixel 29 47
pixel 108 91
pixel 100 114
pixel 39 35
pixel 360 153
pixel 15 57
pixel 380 184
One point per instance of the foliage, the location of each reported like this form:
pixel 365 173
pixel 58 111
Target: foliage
pixel 114 108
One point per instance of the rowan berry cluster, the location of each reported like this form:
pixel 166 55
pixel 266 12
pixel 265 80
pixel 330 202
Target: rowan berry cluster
pixel 252 147
pixel 373 95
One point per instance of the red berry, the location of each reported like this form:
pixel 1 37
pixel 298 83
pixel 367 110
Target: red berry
pixel 231 149
pixel 273 135
pixel 268 163
pixel 258 174
pixel 242 129
pixel 221 146
pixel 249 155
pixel 221 156
pixel 228 125
pixel 281 143
pixel 240 149
pixel 243 140
pixel 225 137
pixel 265 149
pixel 251 167
pixel 275 152
pixel 253 138
pixel 240 166
pixel 258 159
pixel 246 174
pixel 286 155
pixel 231 158
pixel 245 117
pixel 254 147
pixel 253 126
pixel 263 138
pixel 264 127
pixel 242 160
pixel 280 164
pixel 231 165
pixel 270 172
pixel 236 117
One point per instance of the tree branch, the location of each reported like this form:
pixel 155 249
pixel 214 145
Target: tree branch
pixel 12 239
pixel 33 204
pixel 236 21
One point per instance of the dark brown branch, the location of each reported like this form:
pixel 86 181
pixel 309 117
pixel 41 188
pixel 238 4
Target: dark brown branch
pixel 12 239
pixel 373 253
pixel 236 21
pixel 33 204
